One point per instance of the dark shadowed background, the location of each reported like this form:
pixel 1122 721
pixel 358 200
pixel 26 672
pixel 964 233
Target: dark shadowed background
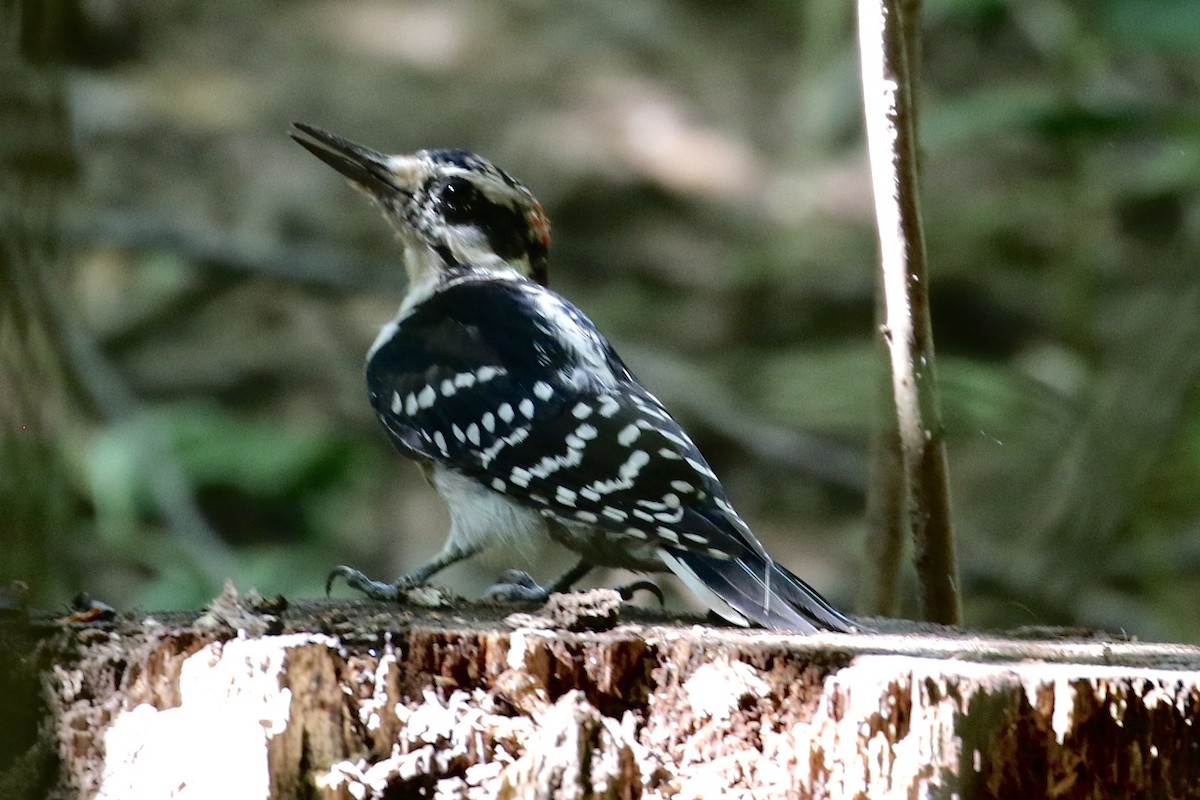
pixel 186 296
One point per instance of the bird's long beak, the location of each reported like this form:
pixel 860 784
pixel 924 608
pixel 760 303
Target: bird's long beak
pixel 366 168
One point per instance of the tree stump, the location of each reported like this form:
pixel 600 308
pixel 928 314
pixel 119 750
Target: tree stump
pixel 589 698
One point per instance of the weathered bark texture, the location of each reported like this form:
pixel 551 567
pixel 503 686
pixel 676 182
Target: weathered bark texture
pixel 359 701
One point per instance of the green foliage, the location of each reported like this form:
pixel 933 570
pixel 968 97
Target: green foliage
pixel 256 482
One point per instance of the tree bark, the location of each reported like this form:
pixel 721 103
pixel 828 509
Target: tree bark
pixel 588 699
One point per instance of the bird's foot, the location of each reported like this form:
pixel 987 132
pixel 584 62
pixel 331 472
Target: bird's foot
pixel 376 590
pixel 515 585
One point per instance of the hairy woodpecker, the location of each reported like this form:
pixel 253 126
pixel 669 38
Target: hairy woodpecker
pixel 520 412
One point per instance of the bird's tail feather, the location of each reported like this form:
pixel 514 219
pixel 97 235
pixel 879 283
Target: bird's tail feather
pixel 751 588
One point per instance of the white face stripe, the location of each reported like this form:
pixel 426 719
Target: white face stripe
pixel 485 177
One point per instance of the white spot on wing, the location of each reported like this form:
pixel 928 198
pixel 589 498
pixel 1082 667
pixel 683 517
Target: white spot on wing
pixel 652 407
pixel 448 388
pixel 565 496
pixel 458 434
pixel 633 465
pixel 682 441
pixel 489 453
pixel 498 484
pixel 683 487
pixel 586 516
pixel 627 473
pixel 397 403
pixel 505 412
pixel 628 435
pixel 543 390
pixel 615 514
pixel 548 465
pixel 489 421
pixel 586 431
pixel 667 535
pixel 440 441
pixel 473 433
pixel 410 404
pixel 426 397
pixel 608 407
pixel 520 476
pixel 526 408
pixel 582 411
pixel 485 374
pixel 464 380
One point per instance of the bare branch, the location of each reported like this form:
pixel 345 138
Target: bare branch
pixel 891 134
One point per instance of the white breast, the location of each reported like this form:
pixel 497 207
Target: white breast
pixel 480 516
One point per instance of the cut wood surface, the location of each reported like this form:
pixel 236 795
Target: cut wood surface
pixel 590 698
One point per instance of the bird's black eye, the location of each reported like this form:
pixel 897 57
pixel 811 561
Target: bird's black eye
pixel 459 201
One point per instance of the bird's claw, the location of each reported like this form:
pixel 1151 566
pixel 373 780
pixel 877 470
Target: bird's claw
pixel 376 590
pixel 630 589
pixel 515 585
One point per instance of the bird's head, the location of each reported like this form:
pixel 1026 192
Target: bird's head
pixel 450 208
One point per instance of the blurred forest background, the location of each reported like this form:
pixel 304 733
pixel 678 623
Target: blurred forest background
pixel 186 297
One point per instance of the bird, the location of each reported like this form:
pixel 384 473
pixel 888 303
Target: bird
pixel 522 415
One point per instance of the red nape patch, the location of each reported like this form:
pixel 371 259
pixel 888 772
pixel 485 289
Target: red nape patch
pixel 539 223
